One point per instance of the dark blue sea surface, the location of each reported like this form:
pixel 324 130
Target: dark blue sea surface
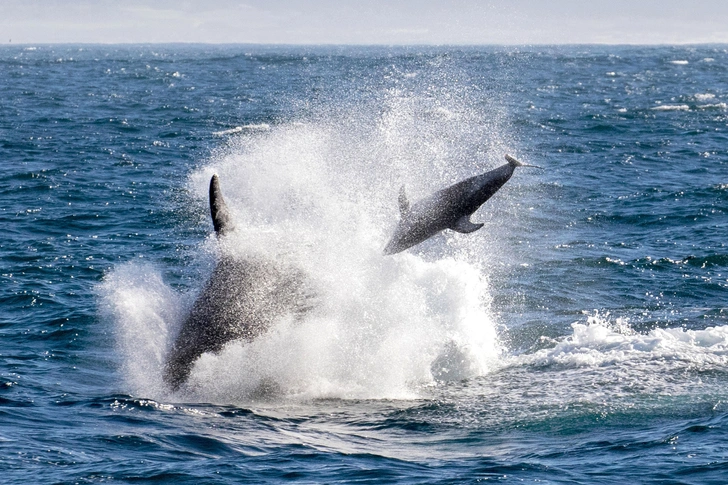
pixel 580 337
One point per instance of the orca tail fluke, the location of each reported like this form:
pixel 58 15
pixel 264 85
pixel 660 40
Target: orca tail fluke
pixel 516 163
pixel 221 219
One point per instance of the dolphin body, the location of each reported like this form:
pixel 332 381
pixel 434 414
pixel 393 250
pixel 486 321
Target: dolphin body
pixel 449 208
pixel 241 300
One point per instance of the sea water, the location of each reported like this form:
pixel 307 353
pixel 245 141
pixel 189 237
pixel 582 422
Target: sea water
pixel 579 337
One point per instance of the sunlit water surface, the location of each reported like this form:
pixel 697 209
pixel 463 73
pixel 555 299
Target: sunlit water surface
pixel 579 337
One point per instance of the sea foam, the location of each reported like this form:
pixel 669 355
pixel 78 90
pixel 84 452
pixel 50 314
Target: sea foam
pixel 603 341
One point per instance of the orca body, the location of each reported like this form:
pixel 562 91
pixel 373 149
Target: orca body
pixel 449 208
pixel 241 300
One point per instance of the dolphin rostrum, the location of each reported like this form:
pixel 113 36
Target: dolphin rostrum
pixel 449 208
pixel 241 300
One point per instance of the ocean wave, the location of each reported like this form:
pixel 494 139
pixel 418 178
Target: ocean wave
pixel 707 261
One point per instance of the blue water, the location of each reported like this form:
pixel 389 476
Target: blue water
pixel 579 337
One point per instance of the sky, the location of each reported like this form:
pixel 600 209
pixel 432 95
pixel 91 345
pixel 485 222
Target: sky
pixel 406 22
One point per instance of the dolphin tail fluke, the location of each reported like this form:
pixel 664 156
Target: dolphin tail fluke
pixel 221 219
pixel 465 226
pixel 404 205
pixel 516 163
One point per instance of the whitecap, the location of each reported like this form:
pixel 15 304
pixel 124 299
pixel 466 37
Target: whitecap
pixel 238 129
pixel 672 107
pixel 231 131
pixel 704 96
pixel 713 106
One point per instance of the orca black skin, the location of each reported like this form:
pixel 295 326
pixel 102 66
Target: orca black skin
pixel 241 300
pixel 449 208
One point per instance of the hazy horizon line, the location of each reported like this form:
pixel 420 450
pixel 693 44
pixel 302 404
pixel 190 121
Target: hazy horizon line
pixel 374 44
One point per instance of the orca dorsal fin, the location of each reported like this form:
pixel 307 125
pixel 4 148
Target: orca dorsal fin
pixel 221 220
pixel 465 226
pixel 404 205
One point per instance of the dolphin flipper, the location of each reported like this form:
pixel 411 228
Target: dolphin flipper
pixel 221 220
pixel 465 226
pixel 404 205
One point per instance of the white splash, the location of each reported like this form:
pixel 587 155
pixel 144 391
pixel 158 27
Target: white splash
pixel 322 196
pixel 143 307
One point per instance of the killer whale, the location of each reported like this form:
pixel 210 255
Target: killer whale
pixel 449 208
pixel 241 299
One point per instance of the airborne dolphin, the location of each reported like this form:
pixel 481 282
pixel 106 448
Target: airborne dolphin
pixel 241 300
pixel 449 208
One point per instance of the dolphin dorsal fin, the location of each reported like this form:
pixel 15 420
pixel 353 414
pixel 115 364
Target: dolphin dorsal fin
pixel 404 205
pixel 221 220
pixel 465 226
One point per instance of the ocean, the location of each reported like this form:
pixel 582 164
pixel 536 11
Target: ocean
pixel 579 337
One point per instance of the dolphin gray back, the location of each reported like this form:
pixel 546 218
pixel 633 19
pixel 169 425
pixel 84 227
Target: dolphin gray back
pixel 221 220
pixel 449 208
